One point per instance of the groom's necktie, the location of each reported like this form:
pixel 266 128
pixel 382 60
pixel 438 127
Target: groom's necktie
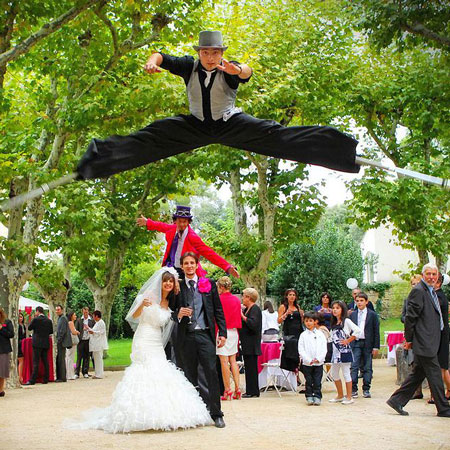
pixel 438 307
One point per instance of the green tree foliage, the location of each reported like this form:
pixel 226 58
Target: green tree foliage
pixel 321 263
pixel 404 22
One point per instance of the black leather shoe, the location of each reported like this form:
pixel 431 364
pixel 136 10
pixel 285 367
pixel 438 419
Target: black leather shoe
pixel 60 381
pixel 249 396
pixel 219 423
pixel 2 394
pixel 45 382
pixel 28 383
pixel 444 414
pixel 417 397
pixel 397 407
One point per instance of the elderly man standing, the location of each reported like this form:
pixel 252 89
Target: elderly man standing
pixel 212 83
pixel 423 326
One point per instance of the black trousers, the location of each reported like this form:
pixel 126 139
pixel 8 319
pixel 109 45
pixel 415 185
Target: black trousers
pixel 313 377
pixel 82 357
pixel 38 355
pixel 423 367
pixel 199 349
pixel 319 145
pixel 61 362
pixel 251 374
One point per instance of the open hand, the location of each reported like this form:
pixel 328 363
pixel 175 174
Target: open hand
pixel 228 67
pixel 232 271
pixel 141 221
pixel 221 341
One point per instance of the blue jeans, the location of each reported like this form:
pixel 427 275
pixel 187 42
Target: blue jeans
pixel 362 355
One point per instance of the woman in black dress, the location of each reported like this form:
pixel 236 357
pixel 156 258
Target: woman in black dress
pixel 22 334
pixel 250 336
pixel 291 316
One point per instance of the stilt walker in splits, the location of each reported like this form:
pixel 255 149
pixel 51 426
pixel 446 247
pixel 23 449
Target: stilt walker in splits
pixel 211 84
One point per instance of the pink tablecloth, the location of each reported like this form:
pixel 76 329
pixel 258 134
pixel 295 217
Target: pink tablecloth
pixel 269 351
pixel 395 338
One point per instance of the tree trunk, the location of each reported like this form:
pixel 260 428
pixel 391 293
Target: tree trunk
pixel 104 295
pixel 423 258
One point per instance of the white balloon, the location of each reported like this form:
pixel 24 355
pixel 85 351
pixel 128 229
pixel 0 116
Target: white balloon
pixel 446 280
pixel 352 283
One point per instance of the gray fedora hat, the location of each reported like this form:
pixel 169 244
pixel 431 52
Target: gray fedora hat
pixel 210 39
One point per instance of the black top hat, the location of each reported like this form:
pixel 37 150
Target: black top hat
pixel 210 39
pixel 183 212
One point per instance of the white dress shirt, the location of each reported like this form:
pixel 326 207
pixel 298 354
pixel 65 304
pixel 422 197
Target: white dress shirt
pixel 362 316
pixel 312 344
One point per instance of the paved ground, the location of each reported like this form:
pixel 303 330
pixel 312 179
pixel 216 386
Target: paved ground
pixel 31 418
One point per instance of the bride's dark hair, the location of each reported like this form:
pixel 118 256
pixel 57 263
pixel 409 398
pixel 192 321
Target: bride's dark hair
pixel 166 276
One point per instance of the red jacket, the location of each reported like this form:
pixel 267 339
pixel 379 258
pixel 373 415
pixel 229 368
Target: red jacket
pixel 192 243
pixel 231 306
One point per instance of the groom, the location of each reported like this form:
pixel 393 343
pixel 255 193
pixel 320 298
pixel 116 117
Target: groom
pixel 198 311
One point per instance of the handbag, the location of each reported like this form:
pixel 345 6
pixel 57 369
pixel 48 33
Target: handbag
pixel 75 339
pixel 346 357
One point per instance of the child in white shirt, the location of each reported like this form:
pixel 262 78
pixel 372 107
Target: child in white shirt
pixel 312 348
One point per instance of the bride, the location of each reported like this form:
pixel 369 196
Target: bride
pixel 153 394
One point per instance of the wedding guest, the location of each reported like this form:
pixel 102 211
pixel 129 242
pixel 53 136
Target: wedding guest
pixel 98 342
pixel 64 341
pixel 70 353
pixel 291 316
pixel 42 328
pixel 231 306
pixel 312 348
pixel 325 308
pixel 343 332
pixel 82 324
pixel 443 352
pixel 250 335
pixel 352 305
pixel 269 317
pixel 6 334
pixel 366 345
pixel 22 334
pixel 415 279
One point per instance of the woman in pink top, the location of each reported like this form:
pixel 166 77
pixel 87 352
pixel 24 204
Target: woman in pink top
pixel 232 310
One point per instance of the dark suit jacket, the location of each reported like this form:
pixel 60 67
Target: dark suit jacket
pixel 443 301
pixel 250 333
pixel 79 325
pixel 212 309
pixel 6 333
pixel 371 329
pixel 42 328
pixel 422 325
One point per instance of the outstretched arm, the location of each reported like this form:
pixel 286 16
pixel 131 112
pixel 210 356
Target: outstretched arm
pixel 153 63
pixel 243 71
pixel 152 225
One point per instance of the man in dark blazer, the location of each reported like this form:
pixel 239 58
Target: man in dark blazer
pixel 250 336
pixel 366 345
pixel 423 327
pixel 198 311
pixel 64 341
pixel 83 344
pixel 42 328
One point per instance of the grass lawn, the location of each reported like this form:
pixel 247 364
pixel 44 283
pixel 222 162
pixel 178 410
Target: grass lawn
pixel 392 324
pixel 119 352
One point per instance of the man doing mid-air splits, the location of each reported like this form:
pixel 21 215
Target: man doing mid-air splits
pixel 211 85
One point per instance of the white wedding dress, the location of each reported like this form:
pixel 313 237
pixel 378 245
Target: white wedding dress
pixel 153 394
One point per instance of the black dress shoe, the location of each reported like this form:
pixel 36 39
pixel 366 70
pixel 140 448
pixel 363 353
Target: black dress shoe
pixel 444 414
pixel 60 381
pixel 417 397
pixel 249 395
pixel 2 394
pixel 45 382
pixel 28 383
pixel 397 407
pixel 219 423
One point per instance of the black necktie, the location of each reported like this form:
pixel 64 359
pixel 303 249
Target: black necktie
pixel 192 286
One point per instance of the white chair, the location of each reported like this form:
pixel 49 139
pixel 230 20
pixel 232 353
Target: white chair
pixel 276 372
